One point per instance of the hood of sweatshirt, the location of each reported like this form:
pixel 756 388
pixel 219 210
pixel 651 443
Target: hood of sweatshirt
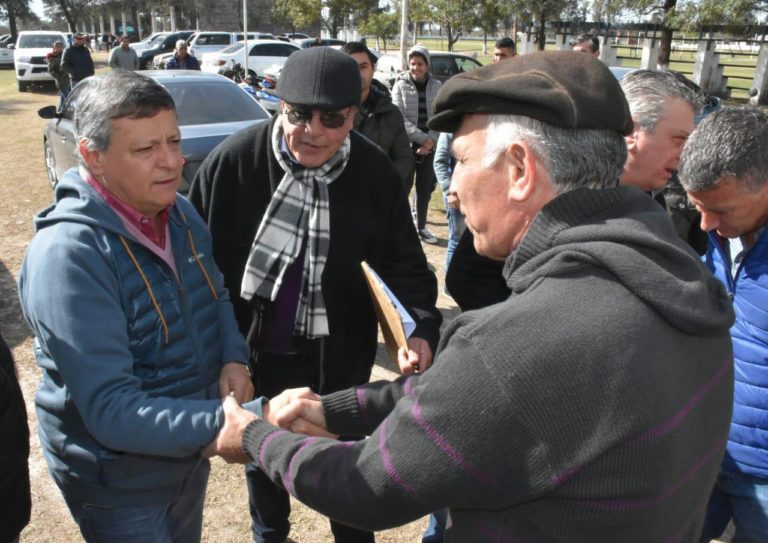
pixel 627 234
pixel 76 201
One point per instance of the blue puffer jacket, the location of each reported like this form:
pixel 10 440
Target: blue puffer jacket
pixel 747 450
pixel 130 356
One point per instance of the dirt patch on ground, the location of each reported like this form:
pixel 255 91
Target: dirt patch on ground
pixel 23 192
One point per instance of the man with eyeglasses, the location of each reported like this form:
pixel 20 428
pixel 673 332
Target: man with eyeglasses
pixel 294 205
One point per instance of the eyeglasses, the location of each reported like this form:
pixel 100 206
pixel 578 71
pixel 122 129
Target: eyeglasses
pixel 299 116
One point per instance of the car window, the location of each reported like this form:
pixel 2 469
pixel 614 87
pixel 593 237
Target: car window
pixel 213 39
pixel 29 41
pixel 213 102
pixel 271 50
pixel 157 42
pixel 467 64
pixel 442 66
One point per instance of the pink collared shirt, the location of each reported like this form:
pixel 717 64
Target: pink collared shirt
pixel 139 225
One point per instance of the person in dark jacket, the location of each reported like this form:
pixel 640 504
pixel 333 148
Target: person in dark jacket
pixel 377 118
pixel 724 168
pixel 60 77
pixel 592 405
pixel 15 497
pixel 77 61
pixel 182 60
pixel 294 205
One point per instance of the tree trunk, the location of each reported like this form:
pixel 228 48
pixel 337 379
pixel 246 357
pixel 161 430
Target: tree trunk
pixel 485 42
pixel 541 32
pixel 449 35
pixel 665 45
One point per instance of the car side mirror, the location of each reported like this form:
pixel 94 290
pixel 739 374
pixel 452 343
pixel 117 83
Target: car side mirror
pixel 48 112
pixel 11 46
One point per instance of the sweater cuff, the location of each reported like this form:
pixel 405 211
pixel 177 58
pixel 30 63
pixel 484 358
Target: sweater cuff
pixel 340 409
pixel 254 435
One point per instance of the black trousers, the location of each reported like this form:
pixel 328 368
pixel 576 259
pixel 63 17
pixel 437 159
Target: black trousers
pixel 269 504
pixel 425 183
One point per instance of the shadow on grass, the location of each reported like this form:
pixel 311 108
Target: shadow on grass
pixel 14 327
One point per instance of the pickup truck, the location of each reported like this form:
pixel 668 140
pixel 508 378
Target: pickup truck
pixel 209 42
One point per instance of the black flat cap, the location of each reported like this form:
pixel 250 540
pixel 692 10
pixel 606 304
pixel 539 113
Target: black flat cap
pixel 320 77
pixel 562 88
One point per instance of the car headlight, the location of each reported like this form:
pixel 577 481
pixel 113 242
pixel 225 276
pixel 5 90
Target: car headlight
pixel 23 59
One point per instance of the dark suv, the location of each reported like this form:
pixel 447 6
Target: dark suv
pixel 162 44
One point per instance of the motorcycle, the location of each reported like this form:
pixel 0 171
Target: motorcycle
pixel 234 71
pixel 268 82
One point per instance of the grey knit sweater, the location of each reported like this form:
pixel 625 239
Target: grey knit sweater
pixel 592 405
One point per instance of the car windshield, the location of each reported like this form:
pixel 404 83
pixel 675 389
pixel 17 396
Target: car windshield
pixel 234 48
pixel 29 41
pixel 156 42
pixel 212 102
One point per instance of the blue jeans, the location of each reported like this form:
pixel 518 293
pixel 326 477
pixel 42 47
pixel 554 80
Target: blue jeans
pixel 741 498
pixel 436 527
pixel 456 227
pixel 63 93
pixel 179 521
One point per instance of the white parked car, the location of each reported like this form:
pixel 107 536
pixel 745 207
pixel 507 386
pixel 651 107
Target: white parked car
pixel 6 56
pixel 203 42
pixel 261 55
pixel 140 46
pixel 29 56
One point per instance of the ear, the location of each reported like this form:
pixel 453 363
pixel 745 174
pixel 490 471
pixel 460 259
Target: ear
pixel 91 158
pixel 631 139
pixel 522 171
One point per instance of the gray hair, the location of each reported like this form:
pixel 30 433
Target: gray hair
pixel 180 43
pixel 648 92
pixel 730 142
pixel 118 94
pixel 573 157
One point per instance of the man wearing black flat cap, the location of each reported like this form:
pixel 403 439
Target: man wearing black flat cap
pixel 294 205
pixel 590 406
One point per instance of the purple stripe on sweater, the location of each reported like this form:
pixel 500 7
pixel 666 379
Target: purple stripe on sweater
pixel 666 426
pixel 288 476
pixel 360 395
pixel 387 461
pixel 265 444
pixel 678 417
pixel 446 447
pixel 642 503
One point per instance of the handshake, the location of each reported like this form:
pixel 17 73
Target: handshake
pixel 298 410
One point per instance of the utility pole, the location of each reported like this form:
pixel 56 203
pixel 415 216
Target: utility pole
pixel 403 35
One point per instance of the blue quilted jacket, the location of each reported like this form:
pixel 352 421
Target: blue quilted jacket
pixel 747 450
pixel 130 355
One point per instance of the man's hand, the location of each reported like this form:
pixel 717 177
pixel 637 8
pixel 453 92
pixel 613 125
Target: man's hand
pixel 417 358
pixel 229 443
pixel 235 378
pixel 298 410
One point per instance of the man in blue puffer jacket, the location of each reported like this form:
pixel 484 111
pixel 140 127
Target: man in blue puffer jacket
pixel 724 168
pixel 134 330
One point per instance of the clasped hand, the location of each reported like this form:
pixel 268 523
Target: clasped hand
pixel 298 410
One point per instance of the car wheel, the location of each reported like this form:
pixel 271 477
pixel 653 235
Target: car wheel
pixel 50 165
pixel 22 86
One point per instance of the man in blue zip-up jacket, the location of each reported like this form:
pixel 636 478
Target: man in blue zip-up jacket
pixel 724 168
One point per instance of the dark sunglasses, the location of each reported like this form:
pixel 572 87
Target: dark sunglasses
pixel 299 116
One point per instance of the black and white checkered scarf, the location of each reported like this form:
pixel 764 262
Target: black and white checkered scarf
pixel 299 204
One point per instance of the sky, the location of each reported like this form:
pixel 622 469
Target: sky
pixel 37 7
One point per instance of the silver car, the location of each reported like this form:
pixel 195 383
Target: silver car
pixel 209 108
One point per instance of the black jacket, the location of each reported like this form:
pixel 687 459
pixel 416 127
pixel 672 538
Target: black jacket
pixel 370 221
pixel 77 62
pixel 472 280
pixel 382 123
pixel 15 501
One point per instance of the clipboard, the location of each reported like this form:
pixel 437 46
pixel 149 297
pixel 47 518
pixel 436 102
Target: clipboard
pixel 395 321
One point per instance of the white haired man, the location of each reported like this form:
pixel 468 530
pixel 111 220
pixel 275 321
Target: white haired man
pixel 592 404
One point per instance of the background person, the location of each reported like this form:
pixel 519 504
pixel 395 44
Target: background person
pixel 504 49
pixel 303 301
pixel 60 77
pixel 181 60
pixel 134 331
pixel 77 61
pixel 413 94
pixel 124 57
pixel 587 43
pixel 377 118
pixel 15 497
pixel 592 404
pixel 724 168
